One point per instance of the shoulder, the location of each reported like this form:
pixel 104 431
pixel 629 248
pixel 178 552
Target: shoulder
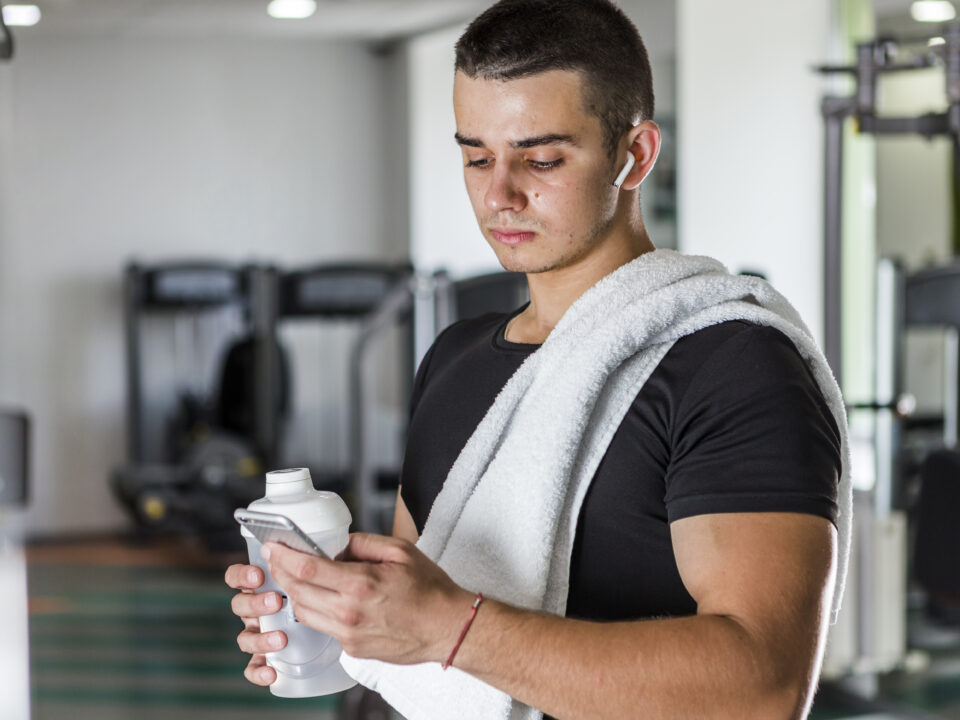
pixel 736 371
pixel 750 355
pixel 738 352
pixel 752 430
pixel 729 352
pixel 734 336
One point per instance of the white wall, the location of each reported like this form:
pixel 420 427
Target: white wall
pixel 158 149
pixel 443 230
pixel 6 142
pixel 750 168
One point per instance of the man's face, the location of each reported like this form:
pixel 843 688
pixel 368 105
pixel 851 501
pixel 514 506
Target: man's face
pixel 536 168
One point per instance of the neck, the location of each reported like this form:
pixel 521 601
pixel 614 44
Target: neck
pixel 554 291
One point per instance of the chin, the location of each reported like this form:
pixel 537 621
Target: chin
pixel 528 268
pixel 513 260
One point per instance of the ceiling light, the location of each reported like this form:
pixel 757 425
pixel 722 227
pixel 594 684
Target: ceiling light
pixel 292 9
pixel 21 15
pixel 933 11
pixel 936 41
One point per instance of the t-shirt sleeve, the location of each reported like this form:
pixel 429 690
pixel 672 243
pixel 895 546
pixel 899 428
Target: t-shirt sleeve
pixel 426 365
pixel 753 433
pixel 420 381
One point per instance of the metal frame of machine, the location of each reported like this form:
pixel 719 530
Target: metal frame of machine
pixel 376 297
pixel 160 493
pixel 871 635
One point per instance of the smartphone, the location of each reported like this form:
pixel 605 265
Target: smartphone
pixel 270 527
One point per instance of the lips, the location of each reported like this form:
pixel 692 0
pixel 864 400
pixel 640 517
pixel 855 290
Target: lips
pixel 510 236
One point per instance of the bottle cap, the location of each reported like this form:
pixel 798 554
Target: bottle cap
pixel 292 481
pixel 286 476
pixel 290 492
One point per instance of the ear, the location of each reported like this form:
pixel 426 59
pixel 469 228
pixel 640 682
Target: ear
pixel 643 142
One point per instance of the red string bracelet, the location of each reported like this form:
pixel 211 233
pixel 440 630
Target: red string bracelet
pixel 463 633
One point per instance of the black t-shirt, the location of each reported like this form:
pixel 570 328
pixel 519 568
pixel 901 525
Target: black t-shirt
pixel 731 420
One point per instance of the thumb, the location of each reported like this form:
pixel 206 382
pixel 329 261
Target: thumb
pixel 367 547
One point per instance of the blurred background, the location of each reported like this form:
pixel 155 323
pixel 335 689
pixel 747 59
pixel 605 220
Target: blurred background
pixel 229 230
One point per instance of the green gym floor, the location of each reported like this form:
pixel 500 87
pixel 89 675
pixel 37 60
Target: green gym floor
pixel 120 631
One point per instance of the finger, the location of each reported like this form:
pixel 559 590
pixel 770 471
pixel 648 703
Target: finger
pixel 306 594
pixel 258 672
pixel 244 577
pixel 315 570
pixel 367 547
pixel 258 642
pixel 320 620
pixel 250 605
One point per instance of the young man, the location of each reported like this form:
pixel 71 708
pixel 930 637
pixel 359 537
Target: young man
pixel 705 551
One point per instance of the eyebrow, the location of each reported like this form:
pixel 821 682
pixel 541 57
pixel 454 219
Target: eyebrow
pixel 550 139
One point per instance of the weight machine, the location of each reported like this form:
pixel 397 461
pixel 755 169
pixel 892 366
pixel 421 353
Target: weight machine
pixel 375 297
pixel 871 636
pixel 189 470
pixel 222 444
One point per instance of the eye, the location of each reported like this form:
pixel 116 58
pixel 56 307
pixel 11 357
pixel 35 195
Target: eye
pixel 545 165
pixel 479 163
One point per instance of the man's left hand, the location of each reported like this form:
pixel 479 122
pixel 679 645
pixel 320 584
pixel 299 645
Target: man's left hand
pixel 382 598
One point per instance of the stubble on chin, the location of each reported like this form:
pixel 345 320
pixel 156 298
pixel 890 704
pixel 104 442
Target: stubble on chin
pixel 521 259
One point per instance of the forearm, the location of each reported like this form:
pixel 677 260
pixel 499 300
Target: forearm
pixel 703 666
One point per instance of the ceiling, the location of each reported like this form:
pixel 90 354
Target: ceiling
pixel 893 17
pixel 375 20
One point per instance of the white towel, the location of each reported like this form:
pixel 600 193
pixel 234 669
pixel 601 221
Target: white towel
pixel 505 519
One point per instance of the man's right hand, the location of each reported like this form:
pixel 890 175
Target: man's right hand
pixel 250 606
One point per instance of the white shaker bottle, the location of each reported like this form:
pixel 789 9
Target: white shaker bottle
pixel 309 664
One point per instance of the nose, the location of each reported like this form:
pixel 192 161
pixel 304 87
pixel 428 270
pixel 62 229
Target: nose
pixel 503 192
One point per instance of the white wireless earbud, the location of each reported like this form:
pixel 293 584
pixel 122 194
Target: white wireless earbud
pixel 631 160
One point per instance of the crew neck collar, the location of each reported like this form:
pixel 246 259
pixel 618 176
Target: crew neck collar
pixel 500 341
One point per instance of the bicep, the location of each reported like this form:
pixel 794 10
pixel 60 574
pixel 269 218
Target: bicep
pixel 772 572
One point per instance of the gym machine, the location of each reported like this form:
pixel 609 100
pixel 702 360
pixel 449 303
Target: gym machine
pixel 870 637
pixel 209 458
pixel 375 297
pixel 875 58
pixel 221 445
pixel 920 462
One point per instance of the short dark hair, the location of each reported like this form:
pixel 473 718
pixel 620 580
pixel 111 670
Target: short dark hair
pixel 518 38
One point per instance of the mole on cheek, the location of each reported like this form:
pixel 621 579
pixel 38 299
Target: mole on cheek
pixel 537 195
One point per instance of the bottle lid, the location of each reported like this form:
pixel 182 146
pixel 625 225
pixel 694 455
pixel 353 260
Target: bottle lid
pixel 291 493
pixel 288 475
pixel 288 482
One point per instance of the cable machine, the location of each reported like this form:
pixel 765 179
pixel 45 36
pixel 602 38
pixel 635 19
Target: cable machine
pixel 871 638
pixel 875 58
